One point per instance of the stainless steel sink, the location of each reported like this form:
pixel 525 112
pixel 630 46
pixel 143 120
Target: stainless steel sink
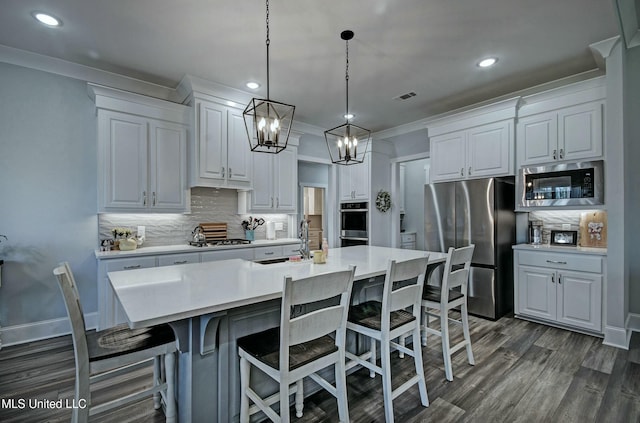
pixel 273 261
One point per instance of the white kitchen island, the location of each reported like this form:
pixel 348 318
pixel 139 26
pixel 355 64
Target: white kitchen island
pixel 210 305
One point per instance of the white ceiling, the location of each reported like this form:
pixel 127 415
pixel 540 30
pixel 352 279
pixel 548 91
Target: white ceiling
pixel 427 46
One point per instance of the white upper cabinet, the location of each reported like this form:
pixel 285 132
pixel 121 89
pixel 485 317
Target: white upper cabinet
pixel 478 143
pixel 219 153
pixel 562 125
pixel 354 181
pixel 275 181
pixel 142 153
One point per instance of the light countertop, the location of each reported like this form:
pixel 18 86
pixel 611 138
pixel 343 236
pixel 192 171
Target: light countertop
pixel 166 294
pixel 186 248
pixel 561 249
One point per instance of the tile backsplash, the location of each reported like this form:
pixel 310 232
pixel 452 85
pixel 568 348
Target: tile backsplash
pixel 207 205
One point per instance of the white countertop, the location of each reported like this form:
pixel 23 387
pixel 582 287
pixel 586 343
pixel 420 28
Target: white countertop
pixel 186 248
pixel 561 249
pixel 166 294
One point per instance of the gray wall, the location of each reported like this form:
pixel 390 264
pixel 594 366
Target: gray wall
pixel 313 146
pixel 47 192
pixel 313 173
pixel 632 195
pixel 411 143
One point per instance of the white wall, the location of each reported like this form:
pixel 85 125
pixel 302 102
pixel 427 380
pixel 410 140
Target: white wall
pixel 414 199
pixel 47 192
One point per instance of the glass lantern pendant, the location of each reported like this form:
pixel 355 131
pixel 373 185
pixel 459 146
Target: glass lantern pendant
pixel 268 122
pixel 347 143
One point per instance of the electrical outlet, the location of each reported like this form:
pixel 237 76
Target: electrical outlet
pixel 279 226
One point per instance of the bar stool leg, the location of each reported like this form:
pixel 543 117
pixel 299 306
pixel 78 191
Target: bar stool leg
pixel 284 400
pixel 465 330
pixel 446 353
pixel 341 390
pixel 245 372
pixel 157 378
pixel 387 388
pixel 299 398
pixel 417 357
pixel 372 359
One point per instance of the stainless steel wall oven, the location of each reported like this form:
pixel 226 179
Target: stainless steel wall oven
pixel 353 224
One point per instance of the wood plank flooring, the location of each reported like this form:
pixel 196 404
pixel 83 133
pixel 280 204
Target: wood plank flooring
pixel 524 372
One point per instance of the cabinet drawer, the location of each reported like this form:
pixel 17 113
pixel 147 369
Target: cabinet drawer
pixel 171 259
pixel 406 238
pixel 236 253
pixel 130 263
pixel 262 253
pixel 579 262
pixel 291 250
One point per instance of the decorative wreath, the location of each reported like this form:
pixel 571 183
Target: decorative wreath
pixel 383 201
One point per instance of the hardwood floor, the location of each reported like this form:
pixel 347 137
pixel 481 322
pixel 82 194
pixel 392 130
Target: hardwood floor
pixel 524 372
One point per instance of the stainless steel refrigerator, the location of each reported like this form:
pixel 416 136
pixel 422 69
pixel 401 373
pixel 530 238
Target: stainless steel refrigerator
pixel 476 212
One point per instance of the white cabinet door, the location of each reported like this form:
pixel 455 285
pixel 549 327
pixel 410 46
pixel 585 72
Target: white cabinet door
pixel 488 150
pixel 346 189
pixel 354 181
pixel 537 292
pixel 580 130
pixel 448 157
pixel 285 182
pixel 537 139
pixel 238 151
pixel 123 173
pixel 167 164
pixel 360 180
pixel 580 300
pixel 262 194
pixel 211 141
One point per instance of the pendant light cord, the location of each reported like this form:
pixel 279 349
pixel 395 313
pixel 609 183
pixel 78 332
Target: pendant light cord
pixel 346 78
pixel 268 42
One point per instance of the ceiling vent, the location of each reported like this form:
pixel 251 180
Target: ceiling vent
pixel 405 96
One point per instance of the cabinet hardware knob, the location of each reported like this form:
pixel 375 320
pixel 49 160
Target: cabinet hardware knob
pixel 269 253
pixel 223 171
pixel 271 202
pixel 559 279
pixel 554 155
pixel 154 197
pixel 553 278
pixel 230 173
pixel 462 171
pixel 556 262
pixel 562 153
pixel 469 171
pixel 144 198
pixel 277 202
pixel 134 266
pixel 181 262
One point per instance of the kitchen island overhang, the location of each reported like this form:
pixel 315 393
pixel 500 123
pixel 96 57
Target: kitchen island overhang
pixel 210 305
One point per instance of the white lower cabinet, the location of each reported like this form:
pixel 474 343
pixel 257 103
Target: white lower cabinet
pixel 408 240
pixel 560 288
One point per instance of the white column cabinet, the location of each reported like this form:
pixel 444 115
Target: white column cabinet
pixel 275 181
pixel 560 288
pixel 142 164
pixel 479 152
pixel 219 153
pixel 354 181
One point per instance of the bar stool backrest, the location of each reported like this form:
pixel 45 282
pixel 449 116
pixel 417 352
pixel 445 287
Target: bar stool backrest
pixel 455 275
pixel 405 296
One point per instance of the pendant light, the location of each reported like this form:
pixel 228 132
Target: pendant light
pixel 268 122
pixel 347 143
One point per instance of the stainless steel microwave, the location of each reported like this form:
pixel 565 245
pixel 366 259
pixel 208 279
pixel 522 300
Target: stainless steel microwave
pixel 566 184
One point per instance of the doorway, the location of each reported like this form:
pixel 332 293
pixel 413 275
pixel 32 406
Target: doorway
pixel 314 210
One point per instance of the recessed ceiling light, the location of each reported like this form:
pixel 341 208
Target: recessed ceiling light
pixel 47 19
pixel 253 85
pixel 349 116
pixel 489 61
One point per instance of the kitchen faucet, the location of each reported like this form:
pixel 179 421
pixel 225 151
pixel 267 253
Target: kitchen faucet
pixel 304 239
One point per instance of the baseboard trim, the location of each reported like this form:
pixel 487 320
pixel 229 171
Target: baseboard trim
pixel 29 332
pixel 617 337
pixel 633 322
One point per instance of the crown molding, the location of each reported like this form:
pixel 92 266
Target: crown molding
pixel 602 50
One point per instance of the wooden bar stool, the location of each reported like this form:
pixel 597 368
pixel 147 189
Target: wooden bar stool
pixel 114 352
pixel 300 347
pixel 387 320
pixel 447 297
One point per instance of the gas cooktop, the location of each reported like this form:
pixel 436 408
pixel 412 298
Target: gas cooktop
pixel 218 242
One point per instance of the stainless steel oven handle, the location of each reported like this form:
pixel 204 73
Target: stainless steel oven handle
pixel 353 238
pixel 353 210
